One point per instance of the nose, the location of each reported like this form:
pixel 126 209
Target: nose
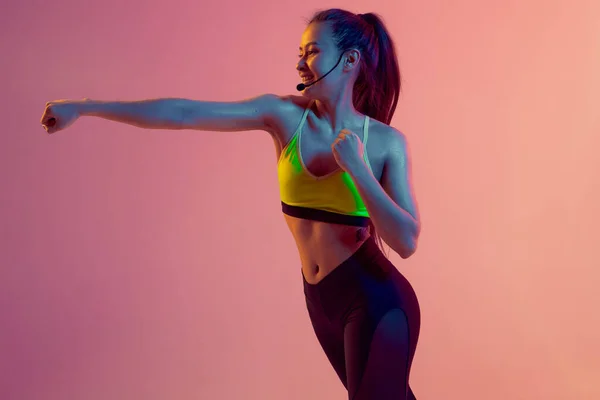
pixel 300 64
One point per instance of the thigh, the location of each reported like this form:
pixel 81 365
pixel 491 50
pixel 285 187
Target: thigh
pixel 331 339
pixel 378 356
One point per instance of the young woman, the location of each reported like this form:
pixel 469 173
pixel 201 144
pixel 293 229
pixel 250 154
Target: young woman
pixel 339 196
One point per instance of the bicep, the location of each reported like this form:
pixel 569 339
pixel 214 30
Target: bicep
pixel 257 113
pixel 396 179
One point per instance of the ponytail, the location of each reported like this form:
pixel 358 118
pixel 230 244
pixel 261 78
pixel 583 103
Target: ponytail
pixel 383 71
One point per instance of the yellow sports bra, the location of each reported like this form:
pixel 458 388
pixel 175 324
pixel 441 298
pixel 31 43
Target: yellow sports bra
pixel 330 198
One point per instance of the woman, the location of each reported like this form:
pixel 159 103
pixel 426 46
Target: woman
pixel 336 191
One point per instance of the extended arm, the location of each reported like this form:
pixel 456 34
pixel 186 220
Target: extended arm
pixel 256 113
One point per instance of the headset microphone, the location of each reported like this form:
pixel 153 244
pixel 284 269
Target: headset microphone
pixel 301 86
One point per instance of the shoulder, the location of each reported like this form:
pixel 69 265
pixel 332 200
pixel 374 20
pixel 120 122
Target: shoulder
pixel 292 104
pixel 284 107
pixel 295 99
pixel 390 138
pixel 285 112
pixel 275 105
pixel 287 100
pixel 394 146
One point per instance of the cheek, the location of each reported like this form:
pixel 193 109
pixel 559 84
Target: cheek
pixel 315 65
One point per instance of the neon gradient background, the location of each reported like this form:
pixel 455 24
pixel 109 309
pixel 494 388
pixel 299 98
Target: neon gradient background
pixel 141 264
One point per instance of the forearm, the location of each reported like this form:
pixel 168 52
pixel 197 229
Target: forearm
pixel 163 113
pixel 395 225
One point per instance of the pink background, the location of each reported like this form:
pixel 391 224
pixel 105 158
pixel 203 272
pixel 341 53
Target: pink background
pixel 154 264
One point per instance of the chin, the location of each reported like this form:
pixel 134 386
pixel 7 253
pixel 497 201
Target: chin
pixel 306 93
pixel 311 93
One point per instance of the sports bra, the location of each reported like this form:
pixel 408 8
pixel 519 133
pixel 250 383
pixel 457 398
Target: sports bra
pixel 331 198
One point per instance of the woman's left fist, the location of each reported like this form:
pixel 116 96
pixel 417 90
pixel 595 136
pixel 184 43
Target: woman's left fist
pixel 348 150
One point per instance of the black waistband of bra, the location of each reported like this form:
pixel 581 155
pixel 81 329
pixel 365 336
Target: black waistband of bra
pixel 324 216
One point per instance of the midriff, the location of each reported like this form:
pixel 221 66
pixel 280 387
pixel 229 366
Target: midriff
pixel 323 246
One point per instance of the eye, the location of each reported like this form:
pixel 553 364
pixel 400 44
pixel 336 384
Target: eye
pixel 308 52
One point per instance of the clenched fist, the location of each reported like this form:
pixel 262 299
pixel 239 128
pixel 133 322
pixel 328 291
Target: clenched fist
pixel 60 114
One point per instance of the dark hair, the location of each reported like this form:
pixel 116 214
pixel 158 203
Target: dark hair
pixel 377 85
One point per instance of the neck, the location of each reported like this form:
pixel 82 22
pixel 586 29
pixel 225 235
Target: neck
pixel 338 112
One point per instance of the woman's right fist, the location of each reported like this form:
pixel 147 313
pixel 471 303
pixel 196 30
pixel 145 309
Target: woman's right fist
pixel 60 114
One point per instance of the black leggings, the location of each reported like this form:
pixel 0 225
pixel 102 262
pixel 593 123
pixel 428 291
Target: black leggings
pixel 367 318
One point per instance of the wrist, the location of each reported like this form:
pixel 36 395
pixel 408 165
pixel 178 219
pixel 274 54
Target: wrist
pixel 360 171
pixel 87 107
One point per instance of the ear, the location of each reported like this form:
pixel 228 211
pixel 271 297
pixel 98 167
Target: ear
pixel 352 59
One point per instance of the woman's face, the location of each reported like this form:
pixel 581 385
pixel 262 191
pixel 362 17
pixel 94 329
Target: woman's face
pixel 317 55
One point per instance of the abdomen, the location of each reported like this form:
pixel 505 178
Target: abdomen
pixel 323 246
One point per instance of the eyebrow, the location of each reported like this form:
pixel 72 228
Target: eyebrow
pixel 308 44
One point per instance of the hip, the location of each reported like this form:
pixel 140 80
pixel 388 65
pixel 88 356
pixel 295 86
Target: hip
pixel 365 279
